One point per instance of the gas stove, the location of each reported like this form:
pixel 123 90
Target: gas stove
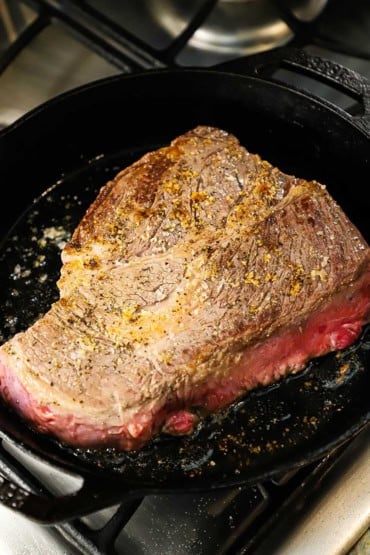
pixel 50 46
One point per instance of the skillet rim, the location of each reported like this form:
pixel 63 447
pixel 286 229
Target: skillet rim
pixel 144 74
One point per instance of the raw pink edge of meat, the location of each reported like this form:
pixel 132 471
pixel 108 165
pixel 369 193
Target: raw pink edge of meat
pixel 334 326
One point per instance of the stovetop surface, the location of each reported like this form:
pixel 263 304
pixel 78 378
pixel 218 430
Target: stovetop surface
pixel 57 59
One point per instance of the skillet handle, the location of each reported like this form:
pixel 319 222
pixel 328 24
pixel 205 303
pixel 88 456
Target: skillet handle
pixel 299 61
pixel 91 497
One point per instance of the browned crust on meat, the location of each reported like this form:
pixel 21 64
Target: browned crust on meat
pixel 183 261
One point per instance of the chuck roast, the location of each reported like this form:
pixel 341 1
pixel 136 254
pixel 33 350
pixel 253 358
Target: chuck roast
pixel 198 273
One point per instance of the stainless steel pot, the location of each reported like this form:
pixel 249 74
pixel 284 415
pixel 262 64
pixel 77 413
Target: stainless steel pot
pixel 234 26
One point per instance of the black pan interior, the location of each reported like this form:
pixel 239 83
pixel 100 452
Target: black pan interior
pixel 71 147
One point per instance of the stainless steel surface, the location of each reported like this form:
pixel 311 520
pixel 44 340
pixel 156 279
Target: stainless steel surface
pixel 21 536
pixel 337 516
pixel 363 546
pixel 53 63
pixel 234 26
pixel 13 19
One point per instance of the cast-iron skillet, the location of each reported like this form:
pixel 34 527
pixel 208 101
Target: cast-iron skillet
pixel 69 147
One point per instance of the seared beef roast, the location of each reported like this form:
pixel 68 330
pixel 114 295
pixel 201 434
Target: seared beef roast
pixel 198 273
